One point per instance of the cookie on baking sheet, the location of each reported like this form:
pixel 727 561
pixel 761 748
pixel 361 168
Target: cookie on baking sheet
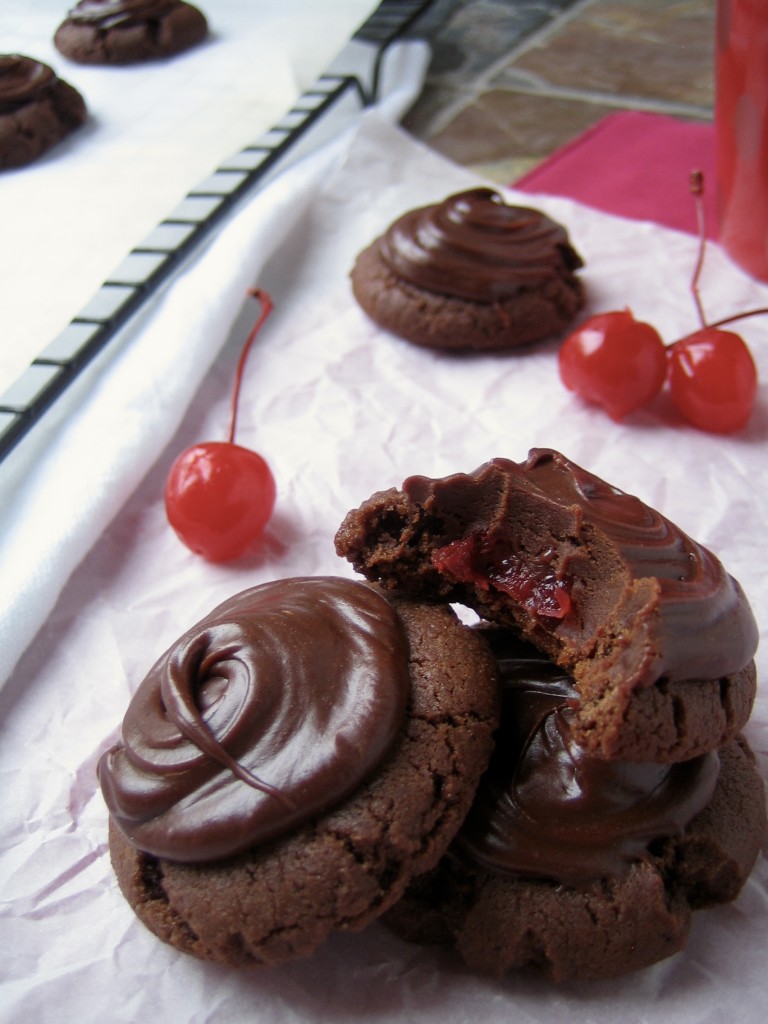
pixel 37 109
pixel 577 867
pixel 471 273
pixel 292 762
pixel 129 31
pixel 658 636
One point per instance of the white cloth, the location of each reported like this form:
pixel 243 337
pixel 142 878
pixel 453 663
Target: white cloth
pixel 69 477
pixel 340 409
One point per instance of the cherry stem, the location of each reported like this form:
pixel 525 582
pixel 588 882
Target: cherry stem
pixel 696 185
pixel 266 309
pixel 739 316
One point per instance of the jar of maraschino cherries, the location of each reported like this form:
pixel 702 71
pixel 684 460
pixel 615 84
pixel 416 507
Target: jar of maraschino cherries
pixel 741 126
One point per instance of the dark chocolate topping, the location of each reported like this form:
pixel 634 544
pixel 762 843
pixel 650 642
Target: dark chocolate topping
pixel 546 808
pixel 269 711
pixel 22 80
pixel 107 14
pixel 475 246
pixel 687 617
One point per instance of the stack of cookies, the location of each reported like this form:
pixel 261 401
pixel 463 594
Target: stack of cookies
pixel 555 786
pixel 621 795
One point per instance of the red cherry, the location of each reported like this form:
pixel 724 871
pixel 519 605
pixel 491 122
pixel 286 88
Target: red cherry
pixel 713 380
pixel 620 364
pixel 219 496
pixel 615 361
pixel 218 499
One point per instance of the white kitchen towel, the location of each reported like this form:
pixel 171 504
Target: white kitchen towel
pixel 74 472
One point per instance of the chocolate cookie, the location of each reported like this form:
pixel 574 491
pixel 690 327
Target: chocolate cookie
pixel 129 31
pixel 292 762
pixel 37 110
pixel 579 867
pixel 471 272
pixel 657 635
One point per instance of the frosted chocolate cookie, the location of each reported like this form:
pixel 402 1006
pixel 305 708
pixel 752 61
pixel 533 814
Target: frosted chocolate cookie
pixel 37 110
pixel 658 636
pixel 577 867
pixel 292 762
pixel 129 31
pixel 471 272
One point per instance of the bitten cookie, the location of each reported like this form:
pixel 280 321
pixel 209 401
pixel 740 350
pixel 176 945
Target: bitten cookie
pixel 129 31
pixel 577 867
pixel 471 272
pixel 658 636
pixel 292 762
pixel 37 110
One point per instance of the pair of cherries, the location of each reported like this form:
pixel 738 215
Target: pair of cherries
pixel 621 364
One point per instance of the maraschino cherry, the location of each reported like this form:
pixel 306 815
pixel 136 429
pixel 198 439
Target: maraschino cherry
pixel 621 364
pixel 219 496
pixel 614 361
pixel 713 380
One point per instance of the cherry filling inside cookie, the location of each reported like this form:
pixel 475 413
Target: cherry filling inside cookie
pixel 536 585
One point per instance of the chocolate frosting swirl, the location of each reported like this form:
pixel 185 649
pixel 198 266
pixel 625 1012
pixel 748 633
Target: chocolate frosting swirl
pixel 268 712
pixel 690 618
pixel 475 246
pixel 106 14
pixel 546 808
pixel 22 80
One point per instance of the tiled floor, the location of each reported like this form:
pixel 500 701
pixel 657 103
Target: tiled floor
pixel 513 80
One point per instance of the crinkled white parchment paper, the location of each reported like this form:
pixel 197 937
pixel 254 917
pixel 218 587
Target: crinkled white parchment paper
pixel 340 409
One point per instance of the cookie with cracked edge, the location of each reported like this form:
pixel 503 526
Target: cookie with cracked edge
pixel 129 31
pixel 659 638
pixel 471 273
pixel 37 110
pixel 577 868
pixel 327 815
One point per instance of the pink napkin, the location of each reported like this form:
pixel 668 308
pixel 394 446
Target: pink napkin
pixel 637 165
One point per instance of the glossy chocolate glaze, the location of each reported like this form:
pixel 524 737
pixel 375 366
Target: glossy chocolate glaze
pixel 22 80
pixel 475 246
pixel 545 808
pixel 106 14
pixel 269 711
pixel 688 618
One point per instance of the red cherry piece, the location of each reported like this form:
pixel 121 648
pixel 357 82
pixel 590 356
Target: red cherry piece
pixel 218 499
pixel 713 380
pixel 535 585
pixel 615 361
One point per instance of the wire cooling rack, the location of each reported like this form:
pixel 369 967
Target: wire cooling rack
pixel 152 261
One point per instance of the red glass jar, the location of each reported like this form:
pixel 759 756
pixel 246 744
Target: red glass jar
pixel 741 127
